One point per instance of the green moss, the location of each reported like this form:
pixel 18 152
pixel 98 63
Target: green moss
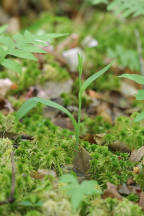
pixel 109 167
pixel 126 131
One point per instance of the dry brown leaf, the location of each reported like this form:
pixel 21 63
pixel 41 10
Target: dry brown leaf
pixel 137 155
pixel 94 138
pixel 123 189
pixel 81 161
pixel 111 191
pixel 119 146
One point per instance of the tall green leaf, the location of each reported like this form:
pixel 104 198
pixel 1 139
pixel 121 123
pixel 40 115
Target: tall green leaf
pixel 29 104
pixel 93 78
pixel 135 77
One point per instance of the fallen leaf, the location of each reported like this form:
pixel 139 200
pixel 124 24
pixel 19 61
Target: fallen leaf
pixel 123 189
pixel 119 146
pixel 111 191
pixel 137 155
pixel 81 161
pixel 136 170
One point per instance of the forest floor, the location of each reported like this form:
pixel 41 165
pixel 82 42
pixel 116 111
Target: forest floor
pixel 37 153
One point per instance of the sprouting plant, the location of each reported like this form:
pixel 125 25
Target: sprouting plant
pixel 32 102
pixel 76 191
pixel 21 46
pixel 140 95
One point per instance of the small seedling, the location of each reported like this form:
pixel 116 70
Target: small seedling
pixel 29 104
pixel 76 191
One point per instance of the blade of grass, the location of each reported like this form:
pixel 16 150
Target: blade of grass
pixel 31 103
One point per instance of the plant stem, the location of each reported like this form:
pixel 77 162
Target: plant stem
pixel 79 106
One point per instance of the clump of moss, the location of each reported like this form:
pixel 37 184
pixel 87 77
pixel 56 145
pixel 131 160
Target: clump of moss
pixel 126 131
pixel 57 204
pixel 111 206
pixel 108 167
pixel 95 125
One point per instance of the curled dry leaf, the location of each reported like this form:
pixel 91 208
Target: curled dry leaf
pixel 137 155
pixel 111 191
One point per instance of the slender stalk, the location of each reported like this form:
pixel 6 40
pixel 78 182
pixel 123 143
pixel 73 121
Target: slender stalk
pixel 79 98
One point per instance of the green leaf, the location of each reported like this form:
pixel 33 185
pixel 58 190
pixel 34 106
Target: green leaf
pixel 67 178
pixel 80 64
pixel 7 41
pixel 29 104
pixel 95 2
pixel 93 78
pixel 22 54
pixel 90 187
pixel 140 95
pixel 3 53
pixel 12 65
pixel 76 191
pixel 3 28
pixel 135 77
pixel 139 117
pixel 30 48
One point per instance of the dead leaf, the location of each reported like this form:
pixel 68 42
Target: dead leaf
pixel 137 155
pixel 119 146
pixel 41 173
pixel 111 191
pixel 105 111
pixel 94 138
pixel 123 189
pixel 81 161
pixel 136 170
pixel 63 123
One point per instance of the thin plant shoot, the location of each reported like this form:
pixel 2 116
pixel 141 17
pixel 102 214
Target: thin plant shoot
pixel 32 102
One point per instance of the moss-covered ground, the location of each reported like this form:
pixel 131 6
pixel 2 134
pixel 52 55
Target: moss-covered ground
pixel 44 151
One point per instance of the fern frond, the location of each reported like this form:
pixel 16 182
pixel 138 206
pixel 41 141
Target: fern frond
pixel 127 7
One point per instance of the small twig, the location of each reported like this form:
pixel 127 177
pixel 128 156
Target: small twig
pixel 13 183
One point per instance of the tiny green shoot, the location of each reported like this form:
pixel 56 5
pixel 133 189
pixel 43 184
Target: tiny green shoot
pixel 32 102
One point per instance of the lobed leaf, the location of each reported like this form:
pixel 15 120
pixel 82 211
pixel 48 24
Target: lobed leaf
pixel 12 65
